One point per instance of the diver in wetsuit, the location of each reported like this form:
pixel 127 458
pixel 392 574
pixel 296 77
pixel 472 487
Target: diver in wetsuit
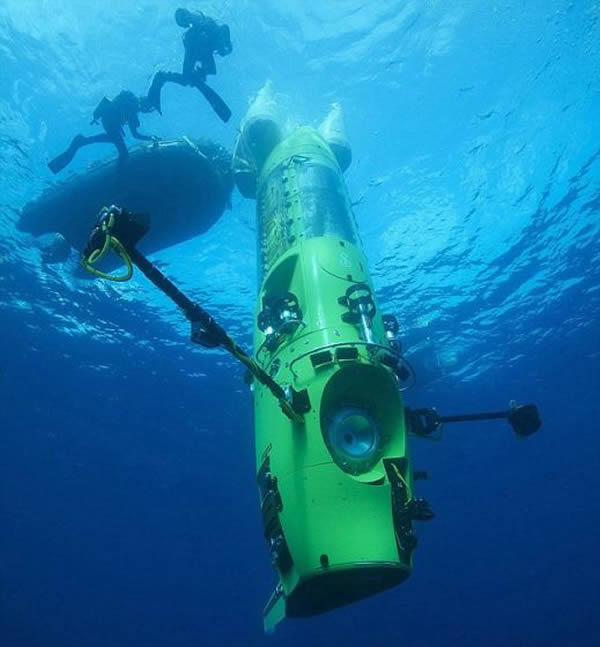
pixel 114 114
pixel 203 38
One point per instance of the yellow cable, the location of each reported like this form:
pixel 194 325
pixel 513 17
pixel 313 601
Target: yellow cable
pixel 110 241
pixel 400 476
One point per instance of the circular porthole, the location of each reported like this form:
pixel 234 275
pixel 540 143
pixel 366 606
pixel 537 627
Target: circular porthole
pixel 354 438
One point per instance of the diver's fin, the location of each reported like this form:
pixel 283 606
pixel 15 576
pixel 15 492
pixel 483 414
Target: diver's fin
pixel 217 103
pixel 60 161
pixel 156 86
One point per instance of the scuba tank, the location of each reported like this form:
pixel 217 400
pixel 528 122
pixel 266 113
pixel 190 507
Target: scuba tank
pixel 101 110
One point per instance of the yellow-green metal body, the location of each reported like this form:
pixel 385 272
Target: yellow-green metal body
pixel 336 524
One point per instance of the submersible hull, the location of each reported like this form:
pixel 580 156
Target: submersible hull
pixel 334 488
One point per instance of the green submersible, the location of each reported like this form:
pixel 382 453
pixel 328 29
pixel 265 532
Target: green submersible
pixel 336 487
pixel 333 470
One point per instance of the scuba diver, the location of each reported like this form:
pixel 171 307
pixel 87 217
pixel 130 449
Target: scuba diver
pixel 114 114
pixel 203 38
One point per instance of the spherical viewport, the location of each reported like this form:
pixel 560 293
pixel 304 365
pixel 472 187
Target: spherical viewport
pixel 353 435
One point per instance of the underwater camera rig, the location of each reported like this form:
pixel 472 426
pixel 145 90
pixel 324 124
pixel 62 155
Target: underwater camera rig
pixel 334 473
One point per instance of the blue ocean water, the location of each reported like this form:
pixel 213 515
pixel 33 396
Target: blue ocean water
pixel 128 505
